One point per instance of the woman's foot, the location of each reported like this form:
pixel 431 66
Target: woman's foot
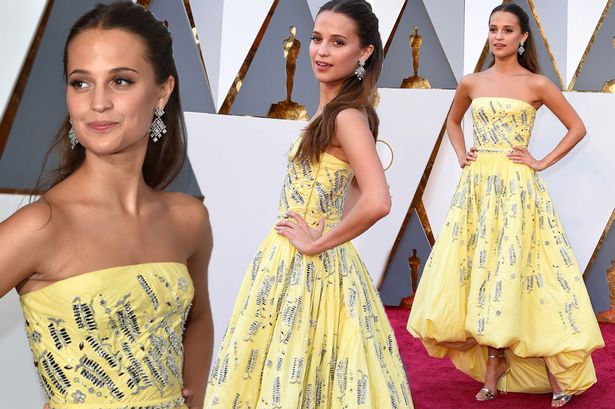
pixel 497 368
pixel 560 398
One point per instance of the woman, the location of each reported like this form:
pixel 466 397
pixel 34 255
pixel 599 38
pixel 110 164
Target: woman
pixel 308 329
pixel 112 337
pixel 517 315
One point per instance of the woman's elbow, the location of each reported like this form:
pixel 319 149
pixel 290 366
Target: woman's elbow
pixel 382 208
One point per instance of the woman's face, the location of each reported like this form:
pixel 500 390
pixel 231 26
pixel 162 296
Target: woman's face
pixel 112 92
pixel 505 34
pixel 335 48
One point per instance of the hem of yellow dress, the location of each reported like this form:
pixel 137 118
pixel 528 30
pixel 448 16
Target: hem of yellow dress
pixel 454 349
pixel 173 403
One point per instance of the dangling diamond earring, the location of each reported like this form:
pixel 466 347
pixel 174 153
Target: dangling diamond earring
pixel 157 128
pixel 360 71
pixel 72 136
pixel 521 49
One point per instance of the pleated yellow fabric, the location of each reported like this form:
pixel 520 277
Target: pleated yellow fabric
pixel 502 273
pixel 308 331
pixel 112 338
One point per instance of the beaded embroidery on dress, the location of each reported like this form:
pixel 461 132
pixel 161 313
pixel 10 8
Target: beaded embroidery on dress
pixel 111 338
pixel 502 272
pixel 308 331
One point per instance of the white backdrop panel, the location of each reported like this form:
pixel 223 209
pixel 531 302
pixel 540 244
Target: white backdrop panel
pixel 239 163
pixel 16 33
pixel 410 121
pixel 583 17
pixel 476 28
pixel 18 378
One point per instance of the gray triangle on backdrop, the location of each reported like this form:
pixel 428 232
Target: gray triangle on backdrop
pixel 599 66
pixel 193 85
pixel 396 281
pixel 544 59
pixel 433 64
pixel 265 81
pixel 42 108
pixel 595 279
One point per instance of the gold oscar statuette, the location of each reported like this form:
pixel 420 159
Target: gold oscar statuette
pixel 415 81
pixel 609 315
pixel 414 264
pixel 288 109
pixel 609 86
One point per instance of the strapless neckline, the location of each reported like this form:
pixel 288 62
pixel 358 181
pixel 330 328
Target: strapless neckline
pixel 507 98
pixel 136 266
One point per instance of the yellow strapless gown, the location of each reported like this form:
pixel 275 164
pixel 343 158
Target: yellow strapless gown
pixel 112 338
pixel 502 272
pixel 308 331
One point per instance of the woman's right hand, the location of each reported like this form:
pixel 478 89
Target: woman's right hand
pixel 469 157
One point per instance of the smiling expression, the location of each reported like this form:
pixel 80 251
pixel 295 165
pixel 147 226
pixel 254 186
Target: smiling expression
pixel 112 92
pixel 335 47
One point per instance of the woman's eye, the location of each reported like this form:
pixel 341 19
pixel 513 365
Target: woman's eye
pixel 122 82
pixel 78 84
pixel 314 38
pixel 338 42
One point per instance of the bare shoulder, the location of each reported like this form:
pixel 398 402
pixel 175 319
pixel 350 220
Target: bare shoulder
pixel 184 206
pixel 351 116
pixel 542 83
pixel 34 218
pixel 26 237
pixel 469 81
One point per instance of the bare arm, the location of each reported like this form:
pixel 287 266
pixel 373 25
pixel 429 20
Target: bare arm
pixel 22 239
pixel 351 197
pixel 461 103
pixel 374 200
pixel 198 337
pixel 554 99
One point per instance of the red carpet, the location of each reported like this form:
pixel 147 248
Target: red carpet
pixel 436 384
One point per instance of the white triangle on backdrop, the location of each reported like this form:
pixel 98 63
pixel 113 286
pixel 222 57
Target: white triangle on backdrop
pixel 228 30
pixel 450 30
pixel 387 11
pixel 476 27
pixel 583 16
pixel 16 33
pixel 553 16
pixel 208 17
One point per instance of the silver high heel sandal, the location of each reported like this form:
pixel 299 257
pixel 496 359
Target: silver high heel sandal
pixel 485 393
pixel 560 399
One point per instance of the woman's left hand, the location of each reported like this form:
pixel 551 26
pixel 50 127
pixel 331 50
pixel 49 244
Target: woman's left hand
pixel 523 156
pixel 300 234
pixel 187 394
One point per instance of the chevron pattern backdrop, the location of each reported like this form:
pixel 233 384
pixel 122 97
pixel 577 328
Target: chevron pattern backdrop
pixel 231 66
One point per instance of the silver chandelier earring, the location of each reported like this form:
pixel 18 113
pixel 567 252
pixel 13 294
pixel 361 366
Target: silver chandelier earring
pixel 521 49
pixel 72 136
pixel 157 128
pixel 360 71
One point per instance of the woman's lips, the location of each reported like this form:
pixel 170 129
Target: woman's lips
pixel 322 66
pixel 101 126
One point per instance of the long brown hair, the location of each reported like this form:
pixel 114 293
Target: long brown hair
pixel 529 58
pixel 354 93
pixel 163 159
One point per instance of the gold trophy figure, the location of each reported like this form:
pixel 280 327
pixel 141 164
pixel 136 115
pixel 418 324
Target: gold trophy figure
pixel 416 41
pixel 609 86
pixel 288 109
pixel 414 264
pixel 609 315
